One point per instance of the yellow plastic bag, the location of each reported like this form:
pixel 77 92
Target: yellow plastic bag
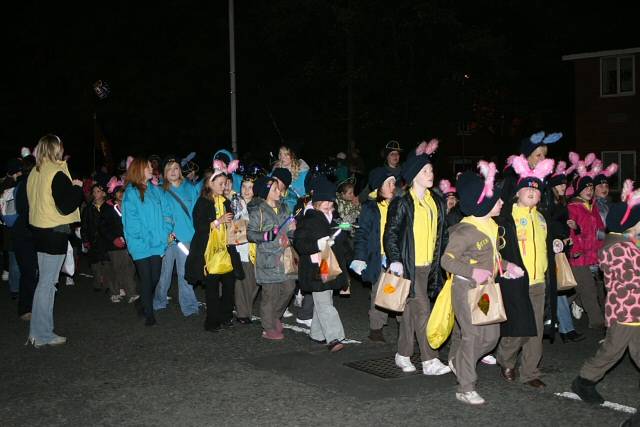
pixel 216 257
pixel 441 320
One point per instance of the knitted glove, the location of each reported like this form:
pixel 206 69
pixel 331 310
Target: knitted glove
pixel 480 276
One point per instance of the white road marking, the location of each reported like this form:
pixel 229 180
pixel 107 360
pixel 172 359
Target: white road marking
pixel 307 331
pixel 611 405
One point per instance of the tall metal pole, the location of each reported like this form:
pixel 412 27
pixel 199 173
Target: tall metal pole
pixel 232 78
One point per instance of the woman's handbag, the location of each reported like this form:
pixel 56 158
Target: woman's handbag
pixel 216 256
pixel 486 304
pixel 564 275
pixel 392 292
pixel 442 318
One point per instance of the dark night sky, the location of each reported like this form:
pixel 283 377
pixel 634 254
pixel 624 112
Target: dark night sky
pixel 167 66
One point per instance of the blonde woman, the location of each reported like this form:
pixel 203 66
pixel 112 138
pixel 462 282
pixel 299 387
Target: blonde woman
pixel 287 159
pixel 53 204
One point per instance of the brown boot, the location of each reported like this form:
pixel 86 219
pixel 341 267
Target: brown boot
pixel 375 335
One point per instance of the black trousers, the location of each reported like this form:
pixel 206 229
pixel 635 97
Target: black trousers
pixel 219 304
pixel 149 273
pixel 27 260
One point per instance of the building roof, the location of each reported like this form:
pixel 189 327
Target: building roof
pixel 600 54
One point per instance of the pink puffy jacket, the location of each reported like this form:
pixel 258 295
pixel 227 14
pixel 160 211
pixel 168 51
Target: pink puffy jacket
pixel 585 247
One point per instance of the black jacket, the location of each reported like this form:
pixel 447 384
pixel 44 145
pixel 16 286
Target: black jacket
pixel 520 321
pixel 314 226
pixel 399 244
pixel 366 241
pixel 90 230
pixel 204 213
pixel 110 226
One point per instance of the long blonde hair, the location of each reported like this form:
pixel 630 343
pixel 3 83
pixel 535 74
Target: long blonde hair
pixel 166 184
pixel 49 149
pixel 295 162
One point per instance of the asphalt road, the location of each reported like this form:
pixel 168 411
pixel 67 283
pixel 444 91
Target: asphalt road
pixel 116 371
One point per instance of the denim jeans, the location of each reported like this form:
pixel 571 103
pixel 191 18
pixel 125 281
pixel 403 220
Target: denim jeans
pixel 14 274
pixel 41 327
pixel 564 315
pixel 186 295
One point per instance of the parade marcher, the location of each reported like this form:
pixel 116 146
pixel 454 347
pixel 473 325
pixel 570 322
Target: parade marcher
pixel 96 245
pixel 316 231
pixel 111 229
pixel 472 257
pixel 587 232
pixel 525 234
pixel 298 168
pixel 369 258
pixel 213 211
pixel 8 217
pixel 246 289
pixel 535 149
pixel 53 198
pixel 414 238
pixel 554 208
pixel 620 262
pixel 347 204
pixel 180 197
pixel 449 192
pixel 601 188
pixel 23 244
pixel 270 228
pixel 147 227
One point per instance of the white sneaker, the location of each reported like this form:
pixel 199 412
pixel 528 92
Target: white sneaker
pixel 5 275
pixel 58 340
pixel 453 369
pixel 297 301
pixel 69 281
pixel 287 313
pixel 435 367
pixel 489 360
pixel 115 298
pixel 404 363
pixel 122 293
pixel 306 323
pixel 133 299
pixel 470 398
pixel 576 310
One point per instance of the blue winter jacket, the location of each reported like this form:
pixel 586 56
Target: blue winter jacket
pixel 182 221
pixel 146 224
pixel 366 241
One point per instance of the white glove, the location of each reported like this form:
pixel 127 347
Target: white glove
pixel 396 268
pixel 323 242
pixel 358 266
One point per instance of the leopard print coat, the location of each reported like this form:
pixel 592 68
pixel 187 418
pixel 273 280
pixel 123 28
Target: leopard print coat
pixel 620 263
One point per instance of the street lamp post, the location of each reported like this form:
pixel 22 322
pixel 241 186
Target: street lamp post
pixel 232 78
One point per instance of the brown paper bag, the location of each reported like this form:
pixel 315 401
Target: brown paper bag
pixel 392 292
pixel 329 267
pixel 290 259
pixel 237 232
pixel 564 275
pixel 486 304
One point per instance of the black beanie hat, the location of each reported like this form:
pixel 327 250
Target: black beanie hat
pixel 582 182
pixel 284 175
pixel 469 186
pixel 600 179
pixel 413 165
pixel 378 176
pixel 323 190
pixel 529 182
pixel 617 212
pixel 557 179
pixel 262 186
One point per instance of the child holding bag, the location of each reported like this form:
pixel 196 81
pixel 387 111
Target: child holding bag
pixel 315 233
pixel 472 257
pixel 526 247
pixel 620 262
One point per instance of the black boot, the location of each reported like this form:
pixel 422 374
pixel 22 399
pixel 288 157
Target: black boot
pixel 586 390
pixel 572 336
